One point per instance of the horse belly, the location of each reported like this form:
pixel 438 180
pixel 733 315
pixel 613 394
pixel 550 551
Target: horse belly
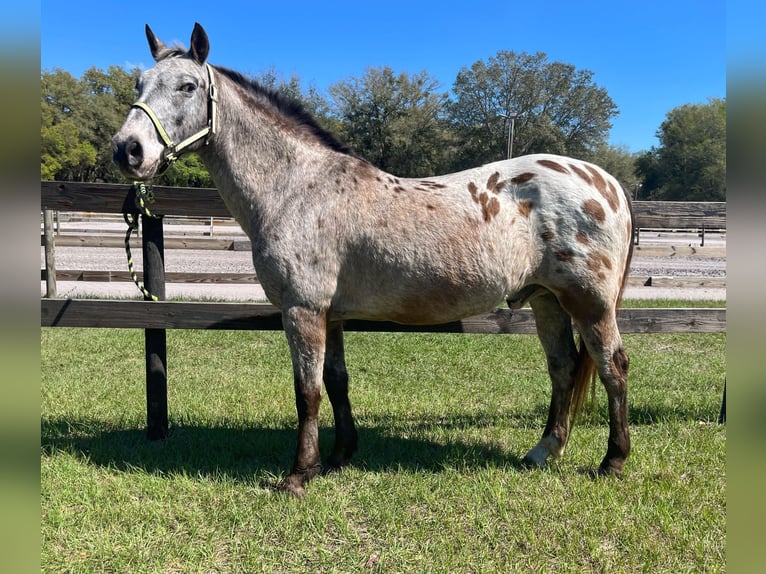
pixel 421 298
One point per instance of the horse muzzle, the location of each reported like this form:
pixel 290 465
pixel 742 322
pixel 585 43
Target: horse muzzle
pixel 130 156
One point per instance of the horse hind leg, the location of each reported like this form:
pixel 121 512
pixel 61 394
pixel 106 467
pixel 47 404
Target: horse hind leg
pixel 554 329
pixel 605 347
pixel 336 382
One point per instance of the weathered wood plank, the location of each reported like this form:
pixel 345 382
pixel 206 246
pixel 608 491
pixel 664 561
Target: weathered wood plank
pixel 122 276
pixel 170 277
pixel 251 316
pixel 117 198
pixel 115 241
pixel 680 214
pixel 678 251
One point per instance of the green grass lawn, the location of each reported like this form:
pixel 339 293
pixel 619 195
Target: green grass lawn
pixel 436 486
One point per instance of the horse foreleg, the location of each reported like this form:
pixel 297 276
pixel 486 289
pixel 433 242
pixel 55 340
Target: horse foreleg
pixel 554 329
pixel 306 332
pixel 336 383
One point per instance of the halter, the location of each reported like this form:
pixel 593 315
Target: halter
pixel 174 151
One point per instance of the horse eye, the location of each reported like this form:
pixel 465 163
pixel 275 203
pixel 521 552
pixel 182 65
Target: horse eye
pixel 188 88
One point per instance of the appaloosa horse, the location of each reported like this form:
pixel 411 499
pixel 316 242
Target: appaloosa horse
pixel 336 238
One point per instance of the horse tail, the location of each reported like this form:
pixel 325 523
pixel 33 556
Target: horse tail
pixel 586 366
pixel 585 376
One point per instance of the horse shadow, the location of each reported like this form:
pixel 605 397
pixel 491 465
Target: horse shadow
pixel 257 453
pixel 262 453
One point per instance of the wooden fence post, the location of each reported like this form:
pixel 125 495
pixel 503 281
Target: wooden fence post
pixel 50 255
pixel 153 245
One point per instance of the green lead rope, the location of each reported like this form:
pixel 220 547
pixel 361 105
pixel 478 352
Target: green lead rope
pixel 144 195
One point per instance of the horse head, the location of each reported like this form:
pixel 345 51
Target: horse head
pixel 175 110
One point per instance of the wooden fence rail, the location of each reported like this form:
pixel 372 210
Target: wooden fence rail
pixel 155 317
pixel 256 316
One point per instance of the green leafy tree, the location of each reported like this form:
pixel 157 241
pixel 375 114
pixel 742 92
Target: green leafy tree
pixel 109 97
pixel 78 119
pixel 618 161
pixel 187 171
pixel 394 121
pixel 64 152
pixel 558 108
pixel 690 163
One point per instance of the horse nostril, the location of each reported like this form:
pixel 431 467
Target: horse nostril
pixel 135 153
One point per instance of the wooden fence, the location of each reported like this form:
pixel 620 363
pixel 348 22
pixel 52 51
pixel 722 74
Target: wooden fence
pixel 157 316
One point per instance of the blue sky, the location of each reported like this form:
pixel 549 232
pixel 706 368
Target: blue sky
pixel 650 56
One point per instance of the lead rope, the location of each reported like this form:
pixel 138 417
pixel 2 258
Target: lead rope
pixel 144 195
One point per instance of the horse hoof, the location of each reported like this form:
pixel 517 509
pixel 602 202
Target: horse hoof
pixel 293 485
pixel 335 462
pixel 611 468
pixel 535 458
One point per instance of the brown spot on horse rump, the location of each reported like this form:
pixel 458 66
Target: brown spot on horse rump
pixel 595 263
pixel 582 238
pixel 489 208
pixel 593 209
pixel 613 194
pixel 522 177
pixel 473 189
pixel 500 186
pixel 547 235
pixel 600 183
pixel 550 164
pixel 602 259
pixel 399 189
pixel 492 181
pixel 525 207
pixel 583 175
pixel 433 184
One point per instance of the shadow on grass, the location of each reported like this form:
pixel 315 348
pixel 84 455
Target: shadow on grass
pixel 255 452
pixel 252 452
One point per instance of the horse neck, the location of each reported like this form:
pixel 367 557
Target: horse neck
pixel 253 155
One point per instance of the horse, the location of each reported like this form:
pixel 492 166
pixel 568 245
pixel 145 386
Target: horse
pixel 335 238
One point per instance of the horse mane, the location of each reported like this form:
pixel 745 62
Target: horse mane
pixel 289 108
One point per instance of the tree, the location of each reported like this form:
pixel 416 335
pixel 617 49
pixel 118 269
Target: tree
pixel 109 97
pixel 394 121
pixel 619 162
pixel 78 119
pixel 62 145
pixel 186 171
pixel 559 109
pixel 690 163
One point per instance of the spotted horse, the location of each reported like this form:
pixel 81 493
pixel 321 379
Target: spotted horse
pixel 336 238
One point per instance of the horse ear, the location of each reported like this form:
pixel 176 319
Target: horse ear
pixel 200 45
pixel 155 44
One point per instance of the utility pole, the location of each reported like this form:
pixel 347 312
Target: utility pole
pixel 511 116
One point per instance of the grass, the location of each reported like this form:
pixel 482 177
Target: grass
pixel 436 486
